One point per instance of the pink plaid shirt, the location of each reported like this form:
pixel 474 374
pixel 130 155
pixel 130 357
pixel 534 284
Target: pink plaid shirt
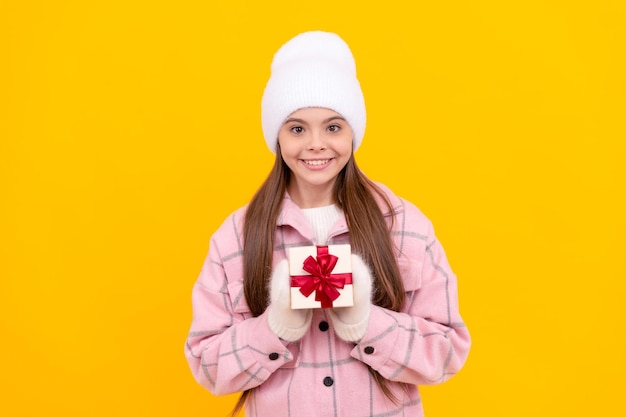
pixel 229 350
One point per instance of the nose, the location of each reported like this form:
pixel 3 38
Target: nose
pixel 316 141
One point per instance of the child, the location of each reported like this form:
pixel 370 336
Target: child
pixel 404 328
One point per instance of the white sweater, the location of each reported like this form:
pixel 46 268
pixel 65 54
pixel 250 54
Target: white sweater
pixel 322 219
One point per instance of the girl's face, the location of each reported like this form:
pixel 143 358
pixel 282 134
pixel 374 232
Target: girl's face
pixel 315 143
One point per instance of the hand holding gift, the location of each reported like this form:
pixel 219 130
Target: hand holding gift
pixel 350 323
pixel 288 324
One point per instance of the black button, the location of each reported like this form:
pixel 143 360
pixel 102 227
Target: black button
pixel 323 326
pixel 274 356
pixel 328 381
pixel 369 350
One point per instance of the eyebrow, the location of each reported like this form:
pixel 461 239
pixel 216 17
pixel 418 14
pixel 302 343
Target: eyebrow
pixel 301 121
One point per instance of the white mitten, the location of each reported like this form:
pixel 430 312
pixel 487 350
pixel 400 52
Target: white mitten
pixel 350 323
pixel 288 324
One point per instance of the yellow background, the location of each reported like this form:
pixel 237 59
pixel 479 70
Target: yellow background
pixel 130 129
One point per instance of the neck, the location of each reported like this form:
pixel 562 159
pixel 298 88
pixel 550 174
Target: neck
pixel 311 196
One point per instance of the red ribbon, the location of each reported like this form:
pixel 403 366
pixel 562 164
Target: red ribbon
pixel 321 280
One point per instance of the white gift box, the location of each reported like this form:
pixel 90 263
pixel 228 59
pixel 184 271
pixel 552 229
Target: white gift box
pixel 324 279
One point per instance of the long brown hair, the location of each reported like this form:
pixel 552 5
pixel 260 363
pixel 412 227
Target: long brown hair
pixel 369 237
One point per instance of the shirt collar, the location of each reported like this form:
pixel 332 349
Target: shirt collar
pixel 292 215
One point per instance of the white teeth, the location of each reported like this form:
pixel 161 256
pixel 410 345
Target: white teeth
pixel 317 162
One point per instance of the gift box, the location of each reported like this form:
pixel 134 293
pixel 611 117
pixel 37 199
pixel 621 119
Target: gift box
pixel 321 276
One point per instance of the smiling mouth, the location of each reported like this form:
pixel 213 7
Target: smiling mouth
pixel 316 162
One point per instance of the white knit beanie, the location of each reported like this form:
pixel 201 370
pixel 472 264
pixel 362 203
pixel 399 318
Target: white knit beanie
pixel 314 69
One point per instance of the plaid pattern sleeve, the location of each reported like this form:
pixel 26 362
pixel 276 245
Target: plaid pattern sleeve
pixel 428 342
pixel 227 349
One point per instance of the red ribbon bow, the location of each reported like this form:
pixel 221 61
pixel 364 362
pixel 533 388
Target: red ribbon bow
pixel 321 280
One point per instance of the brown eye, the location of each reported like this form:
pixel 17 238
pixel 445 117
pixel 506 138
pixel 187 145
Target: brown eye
pixel 297 130
pixel 334 128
